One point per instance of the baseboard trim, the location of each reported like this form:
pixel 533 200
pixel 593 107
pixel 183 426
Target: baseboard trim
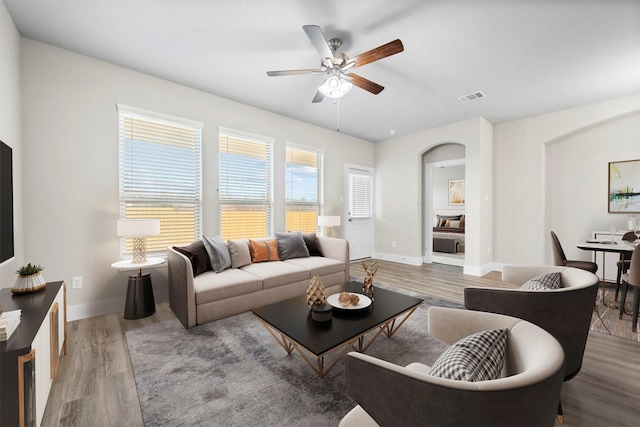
pixel 479 271
pixel 83 311
pixel 398 258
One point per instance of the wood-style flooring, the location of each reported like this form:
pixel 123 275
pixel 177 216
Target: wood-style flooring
pixel 95 384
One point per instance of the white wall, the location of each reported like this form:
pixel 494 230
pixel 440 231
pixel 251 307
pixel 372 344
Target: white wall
pixel 70 133
pixel 399 211
pixel 559 160
pixel 441 178
pixel 10 113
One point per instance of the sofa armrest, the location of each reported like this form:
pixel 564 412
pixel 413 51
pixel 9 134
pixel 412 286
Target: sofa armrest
pixel 333 247
pixel 182 298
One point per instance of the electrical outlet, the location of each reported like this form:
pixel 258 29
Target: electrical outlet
pixel 76 282
pixel 393 244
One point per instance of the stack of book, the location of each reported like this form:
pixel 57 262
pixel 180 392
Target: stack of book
pixel 9 321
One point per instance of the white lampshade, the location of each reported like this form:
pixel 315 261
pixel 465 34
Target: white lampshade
pixel 138 227
pixel 328 221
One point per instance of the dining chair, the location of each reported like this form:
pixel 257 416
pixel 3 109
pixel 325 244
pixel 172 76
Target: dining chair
pixel 632 278
pixel 625 260
pixel 560 259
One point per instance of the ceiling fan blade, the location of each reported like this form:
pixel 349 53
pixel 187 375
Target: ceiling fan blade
pixel 319 41
pixel 294 72
pixel 318 98
pixel 380 52
pixel 365 84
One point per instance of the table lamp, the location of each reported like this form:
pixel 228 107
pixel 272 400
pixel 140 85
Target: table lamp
pixel 139 230
pixel 328 222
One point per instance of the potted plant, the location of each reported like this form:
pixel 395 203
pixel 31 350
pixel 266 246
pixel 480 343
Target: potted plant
pixel 29 279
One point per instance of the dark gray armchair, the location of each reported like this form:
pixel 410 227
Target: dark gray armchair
pixel 565 313
pixel 527 394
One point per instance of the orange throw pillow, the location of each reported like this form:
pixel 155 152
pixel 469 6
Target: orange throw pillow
pixel 264 251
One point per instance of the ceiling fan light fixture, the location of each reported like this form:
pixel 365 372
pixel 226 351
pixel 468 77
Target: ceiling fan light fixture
pixel 335 87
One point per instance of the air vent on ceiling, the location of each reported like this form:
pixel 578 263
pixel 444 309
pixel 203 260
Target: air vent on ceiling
pixel 472 96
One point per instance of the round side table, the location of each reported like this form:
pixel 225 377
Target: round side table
pixel 140 302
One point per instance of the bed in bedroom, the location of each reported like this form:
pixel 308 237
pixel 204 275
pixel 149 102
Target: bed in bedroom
pixel 448 231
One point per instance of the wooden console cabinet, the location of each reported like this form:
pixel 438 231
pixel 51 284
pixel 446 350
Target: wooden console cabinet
pixel 29 359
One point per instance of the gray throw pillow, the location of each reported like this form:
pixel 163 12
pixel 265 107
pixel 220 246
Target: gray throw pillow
pixel 239 250
pixel 544 282
pixel 478 357
pixel 218 252
pixel 291 245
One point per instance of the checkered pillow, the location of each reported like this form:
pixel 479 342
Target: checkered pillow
pixel 543 282
pixel 478 357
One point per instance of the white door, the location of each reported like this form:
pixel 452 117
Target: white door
pixel 359 227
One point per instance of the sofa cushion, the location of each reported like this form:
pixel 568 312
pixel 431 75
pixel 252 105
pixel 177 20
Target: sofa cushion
pixel 263 250
pixel 232 282
pixel 544 282
pixel 218 252
pixel 277 273
pixel 313 244
pixel 318 266
pixel 239 251
pixel 197 255
pixel 478 357
pixel 291 245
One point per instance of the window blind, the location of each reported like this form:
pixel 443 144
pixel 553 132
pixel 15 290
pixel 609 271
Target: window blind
pixel 303 188
pixel 160 177
pixel 246 186
pixel 361 200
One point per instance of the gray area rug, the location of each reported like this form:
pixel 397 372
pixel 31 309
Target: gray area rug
pixel 232 372
pixel 606 318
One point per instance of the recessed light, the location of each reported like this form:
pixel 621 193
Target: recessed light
pixel 392 132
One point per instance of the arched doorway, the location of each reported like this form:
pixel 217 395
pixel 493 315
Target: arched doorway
pixel 444 204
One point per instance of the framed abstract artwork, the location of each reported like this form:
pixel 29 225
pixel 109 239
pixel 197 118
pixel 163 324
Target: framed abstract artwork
pixel 624 186
pixel 456 192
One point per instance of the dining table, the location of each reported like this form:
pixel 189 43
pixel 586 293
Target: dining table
pixel 604 246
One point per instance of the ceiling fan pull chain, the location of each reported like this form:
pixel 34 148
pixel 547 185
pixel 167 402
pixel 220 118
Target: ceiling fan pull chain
pixel 337 102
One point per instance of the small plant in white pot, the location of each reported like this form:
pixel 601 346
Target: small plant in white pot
pixel 29 279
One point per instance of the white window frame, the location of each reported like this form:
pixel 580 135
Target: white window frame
pixel 269 178
pixel 159 195
pixel 320 190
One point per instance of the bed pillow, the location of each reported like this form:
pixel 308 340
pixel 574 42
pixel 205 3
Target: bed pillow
pixel 544 282
pixel 478 357
pixel 239 251
pixel 262 251
pixel 198 256
pixel 452 223
pixel 442 219
pixel 218 252
pixel 291 245
pixel 313 244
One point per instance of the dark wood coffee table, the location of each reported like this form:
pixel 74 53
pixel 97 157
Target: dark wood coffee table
pixel 291 325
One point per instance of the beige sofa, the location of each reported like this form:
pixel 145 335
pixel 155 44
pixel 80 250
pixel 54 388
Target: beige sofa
pixel 210 296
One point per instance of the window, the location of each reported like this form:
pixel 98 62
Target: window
pixel 303 188
pixel 246 185
pixel 361 196
pixel 160 176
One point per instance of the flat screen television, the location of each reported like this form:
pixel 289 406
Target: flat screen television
pixel 6 203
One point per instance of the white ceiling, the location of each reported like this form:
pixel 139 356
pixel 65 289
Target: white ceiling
pixel 529 57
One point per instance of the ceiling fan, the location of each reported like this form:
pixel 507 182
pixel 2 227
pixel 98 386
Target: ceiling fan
pixel 338 65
